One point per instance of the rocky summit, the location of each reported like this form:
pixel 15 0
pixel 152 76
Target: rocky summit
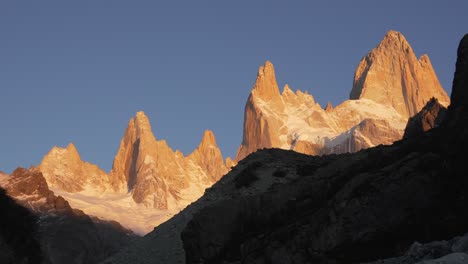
pixel 391 74
pixel 390 85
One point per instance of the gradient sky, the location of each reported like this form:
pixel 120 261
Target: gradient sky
pixel 77 71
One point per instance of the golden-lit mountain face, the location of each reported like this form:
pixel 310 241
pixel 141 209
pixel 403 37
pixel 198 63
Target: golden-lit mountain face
pixel 390 85
pixel 149 169
pixel 391 74
pixel 64 169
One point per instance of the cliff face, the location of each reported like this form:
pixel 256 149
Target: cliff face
pixel 390 85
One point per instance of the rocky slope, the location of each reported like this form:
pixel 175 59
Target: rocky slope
pixel 279 206
pixel 390 86
pixel 65 235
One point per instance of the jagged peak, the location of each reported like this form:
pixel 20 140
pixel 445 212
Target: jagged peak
pixel 70 151
pixel 266 69
pixel 142 122
pixel 208 137
pixel 393 34
pixel 265 86
pixel 391 74
pixel 287 90
pixel 140 115
pixel 71 147
pixel 425 59
pixel 395 39
pixel 140 125
pixel 329 106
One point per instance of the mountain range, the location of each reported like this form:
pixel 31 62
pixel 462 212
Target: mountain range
pixel 149 182
pixel 403 203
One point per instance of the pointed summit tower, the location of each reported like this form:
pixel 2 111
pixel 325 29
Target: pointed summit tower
pixel 208 156
pixel 392 75
pixel 137 142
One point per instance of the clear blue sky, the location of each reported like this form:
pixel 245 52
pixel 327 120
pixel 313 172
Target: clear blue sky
pixel 77 71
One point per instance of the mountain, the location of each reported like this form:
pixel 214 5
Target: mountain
pixel 346 208
pixel 149 182
pixel 390 85
pixel 280 206
pixel 65 234
pixel 156 175
pixel 391 74
pixel 64 169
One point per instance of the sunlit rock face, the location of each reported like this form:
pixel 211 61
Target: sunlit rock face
pixel 390 85
pixel 30 189
pixel 391 74
pixel 64 169
pixel 156 175
pixel 146 175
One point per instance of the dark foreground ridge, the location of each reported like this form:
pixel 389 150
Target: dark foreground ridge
pixel 349 208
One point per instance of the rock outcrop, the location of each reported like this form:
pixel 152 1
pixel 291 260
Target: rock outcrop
pixel 429 117
pixel 390 86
